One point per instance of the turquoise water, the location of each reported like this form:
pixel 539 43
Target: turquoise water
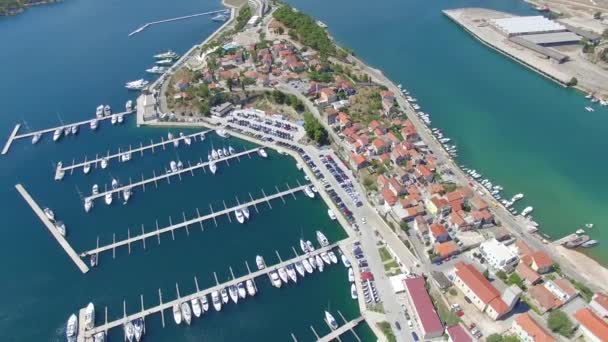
pixel 519 129
pixel 60 62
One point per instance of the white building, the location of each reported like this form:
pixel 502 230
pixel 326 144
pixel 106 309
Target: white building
pixel 498 256
pixel 516 26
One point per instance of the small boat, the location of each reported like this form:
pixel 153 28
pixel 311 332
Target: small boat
pixel 291 272
pixel 589 109
pixel 303 246
pixel 231 150
pixel 259 260
pixel 93 124
pixel 157 69
pixel 224 293
pixel 275 279
pixel 517 197
pixel 177 314
pixel 89 316
pixel 173 166
pixel 86 168
pixel 242 290
pixel 325 258
pixel 217 302
pixel 129 106
pixel 239 216
pixel 322 239
pixel 526 211
pixel 312 262
pixel 331 214
pixel 246 213
pixel 186 312
pixel 331 321
pixel 72 327
pixel 220 152
pixel 60 226
pixel 49 214
pixel 196 307
pixel 138 325
pixel 187 140
pixel 353 291
pixel 262 153
pixel 319 262
pixel 138 84
pixel 589 243
pixel 307 266
pixel 119 118
pixel 204 303
pixel 212 167
pixel 113 119
pixel 233 292
pixel 176 143
pixel 129 331
pixel 114 183
pixel 108 198
pixel 99 111
pixel 588 225
pixel 351 275
pixel 333 257
pixel 57 134
pixel 283 275
pixel 107 110
pixel 67 131
pixel 310 246
pixel 309 192
pixel 36 138
pixel 169 54
pixel 99 337
pixel 580 231
pixel 300 268
pixel 214 154
pixel 250 287
pixel 95 189
pixel 104 163
pixel 88 204
pixel 166 61
pixel 126 194
pixel 170 136
pixel 345 261
pixel 222 133
pixel 225 150
pixel 94 260
pixel 74 129
pixel 125 157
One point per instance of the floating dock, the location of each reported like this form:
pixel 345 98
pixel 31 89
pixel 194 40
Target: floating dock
pixel 347 326
pixel 61 169
pixel 60 239
pixel 14 136
pixel 186 223
pixel 87 335
pixel 146 25
pixel 155 179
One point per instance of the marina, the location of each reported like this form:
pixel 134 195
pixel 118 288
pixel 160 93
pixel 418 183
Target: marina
pixel 144 26
pixel 347 326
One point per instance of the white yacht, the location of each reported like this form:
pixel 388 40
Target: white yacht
pixel 345 261
pixel 157 69
pixel 291 272
pixel 303 246
pixel 74 129
pixel 246 213
pixel 125 157
pixel 166 61
pixel 212 167
pixel 138 327
pixel 275 279
pixel 104 163
pixel 250 287
pixel 224 293
pixel 332 257
pixel 72 327
pixel 204 303
pixel 214 154
pixel 99 337
pixel 283 275
pixel 231 150
pixel 325 258
pixel 89 317
pixel 351 275
pixel 242 290
pixel 331 214
pixel 526 211
pixel 309 192
pixel 129 331
pixel 36 138
pixel 312 262
pixel 300 268
pixel 107 110
pixel 93 124
pixel 114 183
pixel 137 85
pixel 129 106
pixel 99 111
pixel 233 292
pixel 88 204
pixel 322 239
pixel 353 291
pixel 60 226
pixel 86 168
pixel 196 307
pixel 108 198
pixel 119 118
pixel 262 153
pixel 113 119
pixel 67 131
pixel 57 134
pixel 331 321
pixel 173 166
pixel 259 260
pixel 517 197
pixel 307 266
pixel 177 314
pixel 169 54
pixel 95 189
pixel 217 302
pixel 319 262
pixel 222 133
pixel 126 194
pixel 310 246
pixel 186 312
pixel 49 214
pixel 239 216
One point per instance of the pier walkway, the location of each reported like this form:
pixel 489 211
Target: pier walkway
pixel 341 330
pixel 60 239
pixel 146 25
pixel 186 223
pixel 14 136
pixel 87 335
pixel 60 170
pixel 155 178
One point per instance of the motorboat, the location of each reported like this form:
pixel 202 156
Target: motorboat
pixel 315 190
pixel 196 307
pixel 303 246
pixel 283 275
pixel 319 262
pixel 322 239
pixel 99 337
pixel 104 163
pixel 94 260
pixel 57 134
pixel 353 291
pixel 351 275
pixel 89 316
pixel 309 192
pixel 177 314
pixel 331 214
pixel 311 247
pixel 526 211
pixel 212 167
pixel 312 262
pixel 166 61
pixel 95 189
pixel 138 327
pixel 224 293
pixel 222 133
pixel 225 150
pixel 589 109
pixel 49 214
pixel 169 54
pixel 307 266
pixel 186 312
pixel 129 331
pixel 125 157
pixel 291 272
pixel 345 261
pixel 67 131
pixel 71 327
pixel 170 136
pixel 157 69
pixel 332 257
pixel 231 150
pixel 589 243
pixel 108 198
pixel 36 138
pixel 220 152
pixel 129 106
pixel 93 124
pixel 214 154
pixel 74 130
pixel 580 231
pixel 107 110
pixel 176 143
pixel 114 119
pixel 331 321
pixel 233 292
pixel 517 197
pixel 242 290
pixel 217 302
pixel 88 204
pixel 137 84
pixel 126 194
pixel 300 268
pixel 262 153
pixel 99 111
pixel 173 166
pixel 239 216
pixel 119 118
pixel 187 140
pixel 204 303
pixel 259 260
pixel 246 213
pixel 114 183
pixel 325 258
pixel 60 226
pixel 588 225
pixel 275 279
pixel 250 287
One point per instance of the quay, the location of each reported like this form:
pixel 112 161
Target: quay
pixel 14 136
pixel 348 326
pixel 87 335
pixel 198 219
pixel 49 225
pixel 60 170
pixel 146 25
pixel 155 178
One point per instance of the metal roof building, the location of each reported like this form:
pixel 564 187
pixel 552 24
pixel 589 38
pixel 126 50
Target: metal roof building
pixel 549 39
pixel 515 26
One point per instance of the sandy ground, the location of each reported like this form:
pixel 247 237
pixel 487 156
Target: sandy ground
pixel 587 268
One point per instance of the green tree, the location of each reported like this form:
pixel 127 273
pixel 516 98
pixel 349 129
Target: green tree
pixel 304 28
pixel 515 279
pixel 203 108
pixel 278 96
pixel 494 338
pixel 314 129
pixel 559 322
pixel 229 83
pixel 573 82
pixel 502 275
pixel 597 15
pixel 486 274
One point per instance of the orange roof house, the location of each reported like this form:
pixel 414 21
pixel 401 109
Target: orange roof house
pixel 594 327
pixel 527 329
pixel 446 249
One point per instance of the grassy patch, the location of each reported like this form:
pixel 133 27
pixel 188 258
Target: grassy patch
pixel 446 315
pixel 385 327
pixel 529 304
pixel 385 255
pixel 376 307
pixel 585 292
pixel 390 265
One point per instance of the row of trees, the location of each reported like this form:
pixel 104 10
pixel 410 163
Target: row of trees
pixel 289 99
pixel 303 28
pixel 243 17
pixel 314 129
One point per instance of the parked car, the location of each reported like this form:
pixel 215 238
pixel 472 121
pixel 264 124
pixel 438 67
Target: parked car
pixel 415 337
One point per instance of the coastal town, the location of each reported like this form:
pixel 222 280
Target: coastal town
pixel 459 263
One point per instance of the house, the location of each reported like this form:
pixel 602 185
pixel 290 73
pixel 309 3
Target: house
pixel 221 109
pixel 381 182
pixel 446 249
pixel 529 276
pixel 458 333
pixel 332 116
pixel 482 294
pixel 594 328
pixel 424 311
pixel 543 299
pixel 421 227
pixel 540 262
pixel 498 256
pixel 522 248
pixel 379 146
pixel 599 304
pixel 455 221
pixel 375 124
pixel 438 233
pixel 529 330
pixel 389 198
pixel 326 96
pixel 344 120
pixel 359 161
pixel 423 173
pixel 562 289
pixel 396 188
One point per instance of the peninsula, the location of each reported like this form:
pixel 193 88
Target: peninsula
pixel 13 7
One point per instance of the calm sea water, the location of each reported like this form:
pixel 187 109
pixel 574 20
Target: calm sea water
pixel 519 129
pixel 58 63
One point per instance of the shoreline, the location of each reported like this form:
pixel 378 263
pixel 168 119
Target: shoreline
pixel 22 9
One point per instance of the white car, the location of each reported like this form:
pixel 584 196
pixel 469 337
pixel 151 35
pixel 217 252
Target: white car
pixel 363 220
pixel 410 324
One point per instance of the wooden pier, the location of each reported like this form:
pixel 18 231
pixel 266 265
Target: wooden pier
pixel 186 223
pixel 146 25
pixel 87 335
pixel 335 334
pixel 14 136
pixel 155 178
pixel 49 225
pixel 61 169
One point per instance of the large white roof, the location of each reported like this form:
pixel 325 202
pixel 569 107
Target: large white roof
pixel 531 24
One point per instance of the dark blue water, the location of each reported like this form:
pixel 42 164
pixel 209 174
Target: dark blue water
pixel 57 64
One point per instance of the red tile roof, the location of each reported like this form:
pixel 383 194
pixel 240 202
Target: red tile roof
pixel 601 299
pixel 446 249
pixel 527 273
pixel 476 282
pixel 438 230
pixel 593 323
pixel 458 333
pixel 423 305
pixel 533 329
pixel 541 259
pixel 522 247
pixel 388 196
pixel 545 299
